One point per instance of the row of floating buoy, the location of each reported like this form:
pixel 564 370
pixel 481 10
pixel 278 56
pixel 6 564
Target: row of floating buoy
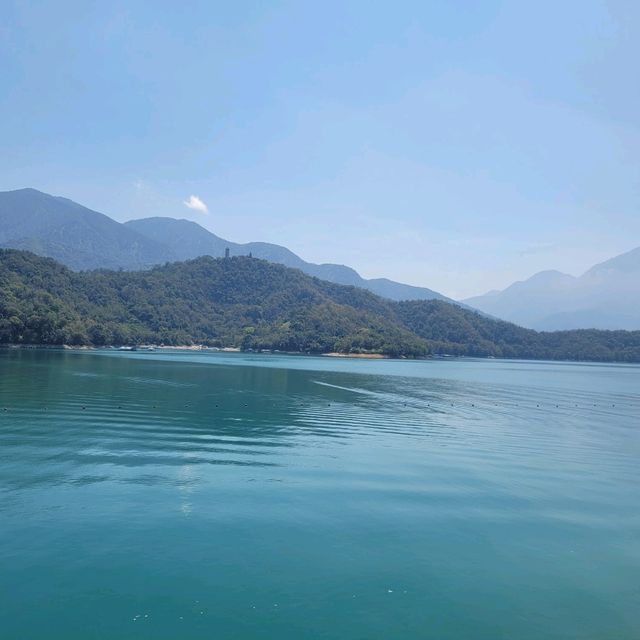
pixel 538 406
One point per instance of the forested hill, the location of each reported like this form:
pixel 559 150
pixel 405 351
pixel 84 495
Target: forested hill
pixel 456 331
pixel 243 302
pixel 253 304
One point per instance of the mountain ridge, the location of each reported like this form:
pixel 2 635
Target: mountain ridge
pixel 168 230
pixel 604 297
pixel 84 239
pixel 71 233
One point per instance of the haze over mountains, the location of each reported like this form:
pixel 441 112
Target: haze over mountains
pixel 607 296
pixel 84 239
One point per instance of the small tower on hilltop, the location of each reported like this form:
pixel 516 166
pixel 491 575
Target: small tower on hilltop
pixel 226 252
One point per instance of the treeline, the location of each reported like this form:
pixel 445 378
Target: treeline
pixel 457 331
pixel 253 304
pixel 240 302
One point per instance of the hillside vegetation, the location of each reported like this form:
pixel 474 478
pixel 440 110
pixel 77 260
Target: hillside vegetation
pixel 253 304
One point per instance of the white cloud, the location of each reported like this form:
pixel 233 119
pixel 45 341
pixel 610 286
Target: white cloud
pixel 196 204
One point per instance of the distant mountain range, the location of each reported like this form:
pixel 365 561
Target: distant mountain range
pixel 83 239
pixel 188 240
pixel 72 234
pixel 607 296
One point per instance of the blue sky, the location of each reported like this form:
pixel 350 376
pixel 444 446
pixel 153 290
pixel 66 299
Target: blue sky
pixel 455 145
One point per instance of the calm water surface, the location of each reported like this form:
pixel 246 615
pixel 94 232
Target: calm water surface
pixel 181 495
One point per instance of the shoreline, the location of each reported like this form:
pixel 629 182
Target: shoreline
pixel 109 347
pixel 331 354
pixel 188 347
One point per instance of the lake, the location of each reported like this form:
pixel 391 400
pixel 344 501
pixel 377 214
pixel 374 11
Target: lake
pixel 211 495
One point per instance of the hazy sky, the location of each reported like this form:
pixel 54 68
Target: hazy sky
pixel 456 145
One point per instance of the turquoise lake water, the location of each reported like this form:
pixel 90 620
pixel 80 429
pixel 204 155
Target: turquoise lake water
pixel 192 495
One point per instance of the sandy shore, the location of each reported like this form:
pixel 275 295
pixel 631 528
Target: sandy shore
pixel 198 347
pixel 368 356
